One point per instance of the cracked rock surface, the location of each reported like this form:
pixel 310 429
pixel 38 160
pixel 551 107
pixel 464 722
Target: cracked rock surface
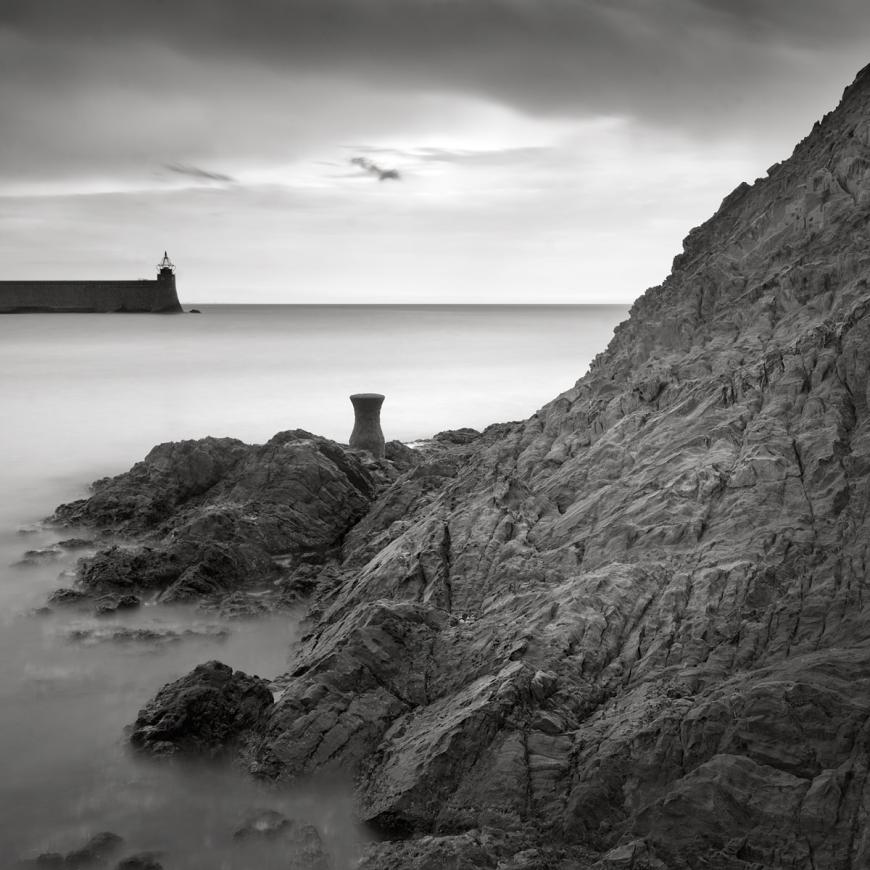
pixel 631 631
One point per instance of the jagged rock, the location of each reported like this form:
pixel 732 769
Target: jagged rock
pixel 493 848
pixel 630 631
pixel 211 515
pixel 344 695
pixel 238 605
pixel 465 435
pixel 205 712
pixel 466 851
pixel 401 456
pixel 113 603
pixel 170 476
pixel 64 595
pixel 153 634
pixel 637 621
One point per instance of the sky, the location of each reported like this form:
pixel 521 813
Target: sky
pixel 397 151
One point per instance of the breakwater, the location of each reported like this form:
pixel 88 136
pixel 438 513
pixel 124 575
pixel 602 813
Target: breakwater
pixel 152 296
pixel 88 296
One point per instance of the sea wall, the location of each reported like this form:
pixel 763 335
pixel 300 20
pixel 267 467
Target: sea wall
pixel 89 296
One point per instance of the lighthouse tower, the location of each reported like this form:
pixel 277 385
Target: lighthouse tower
pixel 166 269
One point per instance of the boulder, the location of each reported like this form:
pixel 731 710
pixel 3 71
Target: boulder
pixel 205 713
pixel 65 595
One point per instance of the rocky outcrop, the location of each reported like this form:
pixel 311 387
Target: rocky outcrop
pixel 631 631
pixel 201 519
pixel 204 713
pixel 636 623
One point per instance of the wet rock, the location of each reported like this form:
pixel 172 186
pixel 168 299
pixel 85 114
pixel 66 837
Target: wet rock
pixel 464 435
pixel 65 596
pixel 401 456
pixel 206 712
pixel 635 622
pixel 112 603
pixel 141 861
pixel 543 685
pixel 240 605
pixel 208 517
pixel 170 476
pixel 630 630
pixel 76 543
pixel 147 634
pixel 363 673
pixel 493 848
pixel 42 556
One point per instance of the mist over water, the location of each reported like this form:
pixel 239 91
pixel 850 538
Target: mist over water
pixel 84 396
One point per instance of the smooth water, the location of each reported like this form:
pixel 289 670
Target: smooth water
pixel 84 396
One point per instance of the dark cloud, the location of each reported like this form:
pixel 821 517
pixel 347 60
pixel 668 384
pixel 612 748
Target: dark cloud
pixel 372 168
pixel 665 61
pixel 120 87
pixel 199 174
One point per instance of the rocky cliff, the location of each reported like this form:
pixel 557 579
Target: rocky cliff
pixel 631 631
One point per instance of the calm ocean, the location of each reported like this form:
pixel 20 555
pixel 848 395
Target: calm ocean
pixel 84 396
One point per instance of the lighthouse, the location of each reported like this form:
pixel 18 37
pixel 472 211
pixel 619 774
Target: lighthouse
pixel 165 269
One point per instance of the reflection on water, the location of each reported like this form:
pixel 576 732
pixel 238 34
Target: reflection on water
pixel 85 396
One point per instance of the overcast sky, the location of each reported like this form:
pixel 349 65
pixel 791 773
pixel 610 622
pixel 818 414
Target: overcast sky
pixel 397 150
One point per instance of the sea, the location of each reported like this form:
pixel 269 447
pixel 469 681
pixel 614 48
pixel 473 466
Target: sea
pixel 85 396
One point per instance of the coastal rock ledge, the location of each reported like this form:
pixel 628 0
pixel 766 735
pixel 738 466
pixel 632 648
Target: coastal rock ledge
pixel 632 631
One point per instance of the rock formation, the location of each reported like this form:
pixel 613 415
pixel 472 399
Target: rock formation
pixel 203 713
pixel 631 631
pixel 214 515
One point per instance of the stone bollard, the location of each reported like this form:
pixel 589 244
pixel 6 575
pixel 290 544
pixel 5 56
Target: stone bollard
pixel 367 434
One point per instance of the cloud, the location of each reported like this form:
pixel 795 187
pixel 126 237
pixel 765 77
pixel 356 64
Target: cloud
pixel 683 61
pixel 199 174
pixel 550 129
pixel 378 171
